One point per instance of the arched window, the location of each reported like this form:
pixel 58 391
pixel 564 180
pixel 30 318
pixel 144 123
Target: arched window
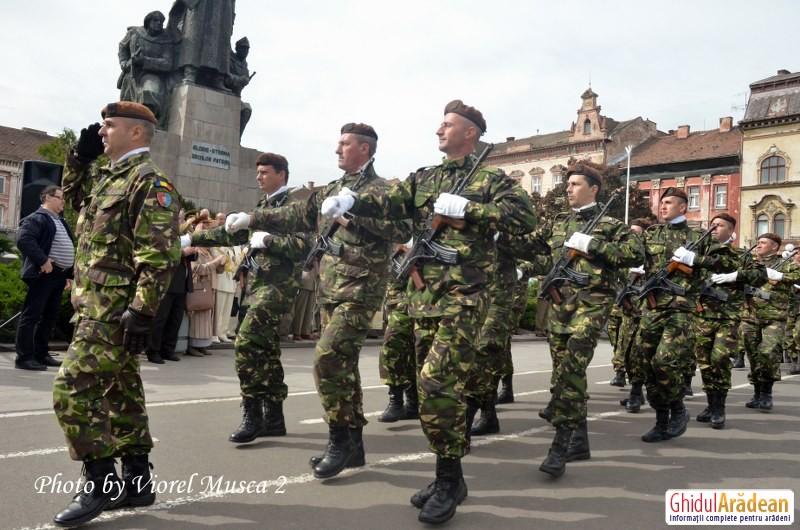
pixel 587 126
pixel 536 183
pixel 778 223
pixel 773 169
pixel 762 224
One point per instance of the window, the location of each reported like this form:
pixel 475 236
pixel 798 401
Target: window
pixel 773 169
pixel 2 215
pixel 762 225
pixel 694 197
pixel 778 223
pixel 721 196
pixel 587 127
pixel 557 177
pixel 536 184
pixel 2 184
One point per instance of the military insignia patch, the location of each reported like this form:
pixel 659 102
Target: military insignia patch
pixel 163 184
pixel 164 198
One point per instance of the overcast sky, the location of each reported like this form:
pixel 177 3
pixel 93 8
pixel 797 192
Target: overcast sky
pixel 395 65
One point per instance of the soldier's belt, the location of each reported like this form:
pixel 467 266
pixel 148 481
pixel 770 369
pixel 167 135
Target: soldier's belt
pixel 429 250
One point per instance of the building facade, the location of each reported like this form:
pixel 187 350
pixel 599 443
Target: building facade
pixel 16 146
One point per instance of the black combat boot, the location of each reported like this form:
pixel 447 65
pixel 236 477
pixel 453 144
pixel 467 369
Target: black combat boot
pixel 394 410
pixel 619 379
pixel 705 416
pixel 765 404
pixel 411 407
pixel 472 409
pixel 678 420
pixel 488 422
pixel 252 424
pixel 739 361
pixel 506 394
pixel 449 490
pixel 547 412
pixel 274 423
pixel 634 402
pixel 578 448
pixel 795 369
pixel 556 462
pixel 718 410
pixel 358 459
pixel 340 450
pixel 755 401
pixel 138 481
pixel 659 432
pixel 687 386
pixel 101 490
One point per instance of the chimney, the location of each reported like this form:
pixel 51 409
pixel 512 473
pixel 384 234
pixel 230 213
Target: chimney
pixel 784 72
pixel 310 184
pixel 725 124
pixel 510 138
pixel 682 132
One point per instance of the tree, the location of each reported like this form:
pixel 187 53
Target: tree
pixel 56 150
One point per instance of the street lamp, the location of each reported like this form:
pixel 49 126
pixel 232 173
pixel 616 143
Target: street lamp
pixel 628 149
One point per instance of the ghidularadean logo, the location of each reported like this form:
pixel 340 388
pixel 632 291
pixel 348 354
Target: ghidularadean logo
pixel 729 507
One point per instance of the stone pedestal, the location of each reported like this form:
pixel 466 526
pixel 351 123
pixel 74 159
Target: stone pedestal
pixel 201 153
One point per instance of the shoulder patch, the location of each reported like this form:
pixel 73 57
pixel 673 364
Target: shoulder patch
pixel 161 183
pixel 164 198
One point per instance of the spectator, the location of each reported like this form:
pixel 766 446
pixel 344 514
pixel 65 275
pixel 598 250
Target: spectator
pixel 204 276
pixel 48 248
pixel 304 307
pixel 226 290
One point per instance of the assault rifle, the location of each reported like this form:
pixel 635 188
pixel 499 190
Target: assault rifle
pixel 425 247
pixel 561 271
pixel 660 280
pixel 630 289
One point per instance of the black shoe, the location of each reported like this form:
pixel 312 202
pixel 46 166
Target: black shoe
pixel 394 410
pixel 718 410
pixel 274 423
pixel 29 364
pixel 252 425
pixel 687 386
pixel 155 358
pixel 659 432
pixel 411 407
pixel 450 490
pixel 340 450
pixel 472 409
pixel 138 481
pixel 678 420
pixel 170 357
pixel 578 448
pixel 506 393
pixel 488 422
pixel 619 379
pixel 547 412
pixel 705 416
pixel 756 399
pixel 107 491
pixel 556 462
pixel 765 403
pixel 48 360
pixel 419 499
pixel 357 460
pixel 634 402
pixel 739 361
pixel 795 369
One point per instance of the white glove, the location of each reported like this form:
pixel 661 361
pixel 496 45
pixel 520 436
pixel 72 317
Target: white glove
pixel 683 256
pixel 339 204
pixel 579 241
pixel 186 241
pixel 519 275
pixel 237 221
pixel 774 275
pixel 637 270
pixel 257 240
pixel 450 205
pixel 785 254
pixel 728 277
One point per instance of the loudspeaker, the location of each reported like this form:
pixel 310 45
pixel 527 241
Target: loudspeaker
pixel 36 176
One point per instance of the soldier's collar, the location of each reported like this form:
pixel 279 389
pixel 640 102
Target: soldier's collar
pixel 456 163
pixel 678 220
pixel 277 192
pixel 127 161
pixel 585 207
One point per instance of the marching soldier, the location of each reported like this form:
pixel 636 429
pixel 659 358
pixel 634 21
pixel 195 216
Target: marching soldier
pixel 447 300
pixel 274 266
pixel 794 331
pixel 353 272
pixel 127 249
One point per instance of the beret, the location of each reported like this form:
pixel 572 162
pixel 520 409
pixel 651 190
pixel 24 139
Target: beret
pixel 592 173
pixel 725 217
pixel 128 109
pixel 359 128
pixel 770 235
pixel 471 113
pixel 674 192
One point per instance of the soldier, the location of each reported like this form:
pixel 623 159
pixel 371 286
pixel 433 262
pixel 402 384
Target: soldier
pixel 613 329
pixel 274 269
pixel 579 312
pixel 449 304
pixel 353 274
pixel 127 248
pixel 715 325
pixel 764 324
pixel 793 350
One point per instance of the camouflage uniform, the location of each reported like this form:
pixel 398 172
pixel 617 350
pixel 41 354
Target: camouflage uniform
pixel 625 345
pixel 127 249
pixel 449 311
pixel 396 360
pixel 272 286
pixel 613 326
pixel 351 289
pixel 789 344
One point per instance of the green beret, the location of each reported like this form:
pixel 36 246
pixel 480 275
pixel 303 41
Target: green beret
pixel 471 113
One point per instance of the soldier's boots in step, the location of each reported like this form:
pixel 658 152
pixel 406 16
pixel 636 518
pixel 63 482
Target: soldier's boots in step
pixel 718 410
pixel 705 415
pixel 633 403
pixel 411 407
pixel 578 448
pixel 765 403
pixel 548 412
pixel 447 492
pixel 556 461
pixel 739 361
pixel 339 453
pixel 755 401
pixel 107 491
pixel 138 481
pixel 678 419
pixel 659 432
pixel 253 424
pixel 357 460
pixel 619 379
pixel 394 410
pixel 488 422
pixel 274 422
pixel 506 393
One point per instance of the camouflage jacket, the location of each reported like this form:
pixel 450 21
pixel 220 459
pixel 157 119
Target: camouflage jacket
pixel 780 293
pixel 496 203
pixel 127 234
pixel 359 274
pixel 724 258
pixel 279 265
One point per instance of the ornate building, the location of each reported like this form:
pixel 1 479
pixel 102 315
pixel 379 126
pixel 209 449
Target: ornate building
pixel 16 146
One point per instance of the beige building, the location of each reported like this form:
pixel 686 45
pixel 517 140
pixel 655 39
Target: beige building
pixel 770 145
pixel 16 146
pixel 539 161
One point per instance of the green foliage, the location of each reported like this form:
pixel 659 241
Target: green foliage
pixel 56 150
pixel 12 296
pixel 529 317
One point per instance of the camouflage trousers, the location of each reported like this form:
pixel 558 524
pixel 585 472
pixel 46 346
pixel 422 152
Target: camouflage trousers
pixel 397 365
pixel 575 326
pixel 258 349
pixel 794 352
pixel 445 348
pixel 627 344
pixel 715 340
pixel 344 328
pixel 98 395
pixel 763 344
pixel 789 341
pixel 666 350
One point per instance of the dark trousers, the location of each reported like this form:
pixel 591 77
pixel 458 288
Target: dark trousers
pixel 39 314
pixel 167 324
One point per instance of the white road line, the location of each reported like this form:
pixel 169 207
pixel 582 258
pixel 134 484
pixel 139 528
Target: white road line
pixel 529 372
pixel 314 421
pixel 40 452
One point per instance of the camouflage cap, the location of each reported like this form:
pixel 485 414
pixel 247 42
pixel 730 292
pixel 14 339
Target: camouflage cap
pixel 471 113
pixel 128 109
pixel 725 217
pixel 359 128
pixel 674 192
pixel 773 236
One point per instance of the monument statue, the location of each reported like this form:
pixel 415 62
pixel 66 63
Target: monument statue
pixel 146 59
pixel 239 77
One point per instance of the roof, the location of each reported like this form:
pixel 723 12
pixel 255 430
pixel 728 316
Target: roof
pixel 782 77
pixel 22 144
pixel 773 104
pixel 543 141
pixel 701 145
